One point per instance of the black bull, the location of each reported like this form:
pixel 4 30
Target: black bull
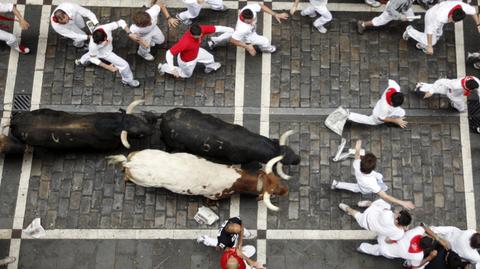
pixel 52 129
pixel 189 130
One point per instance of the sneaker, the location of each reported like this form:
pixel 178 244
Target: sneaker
pixel 322 29
pixel 372 3
pixel 186 22
pixel 360 27
pixel 7 260
pixel 133 84
pixel 343 207
pixel 147 56
pixel 160 65
pixel 476 65
pixel 271 49
pixel 223 8
pixel 418 86
pixel 364 203
pixel 78 62
pixel 211 45
pixel 334 184
pixel 22 49
pixel 405 35
pixel 200 239
pixel 214 67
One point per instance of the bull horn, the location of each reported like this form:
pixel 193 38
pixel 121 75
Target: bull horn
pixel 268 203
pixel 132 105
pixel 283 138
pixel 269 165
pixel 123 138
pixel 281 173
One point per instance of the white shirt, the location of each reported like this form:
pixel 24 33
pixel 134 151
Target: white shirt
pixel 72 10
pixel 456 87
pixel 438 14
pixel 243 30
pixel 382 109
pixel 366 182
pixel 400 249
pixel 6 7
pixel 103 49
pixel 317 3
pixel 459 242
pixel 142 31
pixel 379 218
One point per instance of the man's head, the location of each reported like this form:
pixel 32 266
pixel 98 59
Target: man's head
pixel 403 218
pixel 368 163
pixel 232 263
pixel 233 228
pixel 142 19
pixel 247 16
pixel 60 17
pixel 397 99
pixel 99 36
pixel 457 14
pixel 427 243
pixel 471 84
pixel 196 31
pixel 475 240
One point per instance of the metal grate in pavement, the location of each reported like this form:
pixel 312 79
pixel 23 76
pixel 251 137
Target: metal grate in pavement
pixel 21 102
pixel 474 115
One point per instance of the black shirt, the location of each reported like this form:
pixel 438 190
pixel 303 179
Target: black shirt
pixel 225 239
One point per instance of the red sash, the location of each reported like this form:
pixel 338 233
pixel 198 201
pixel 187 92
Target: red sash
pixel 390 92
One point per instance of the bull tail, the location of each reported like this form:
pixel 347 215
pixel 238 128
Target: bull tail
pixel 115 159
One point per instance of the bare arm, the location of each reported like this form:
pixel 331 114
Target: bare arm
pixel 278 16
pixel 399 121
pixel 429 44
pixel 172 22
pixel 430 257
pixel 393 200
pixel 358 147
pixel 294 7
pixel 249 48
pixel 23 23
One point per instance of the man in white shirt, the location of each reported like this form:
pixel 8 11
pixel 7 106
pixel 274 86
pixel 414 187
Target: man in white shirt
pixel 380 219
pixel 316 6
pixel 67 20
pixel 9 38
pixel 437 16
pixel 194 7
pixel 387 109
pixel 455 89
pixel 145 31
pixel 465 243
pixel 394 10
pixel 100 48
pixel 368 180
pixel 245 34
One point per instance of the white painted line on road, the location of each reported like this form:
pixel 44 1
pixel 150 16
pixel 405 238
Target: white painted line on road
pixel 465 136
pixel 14 249
pixel 320 235
pixel 339 7
pixel 5 233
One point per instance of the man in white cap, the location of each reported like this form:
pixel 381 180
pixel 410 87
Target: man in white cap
pixel 67 20
pixel 194 7
pixel 455 89
pixel 245 34
pixel 435 18
pixel 394 10
pixel 315 6
pixel 101 48
pixel 9 38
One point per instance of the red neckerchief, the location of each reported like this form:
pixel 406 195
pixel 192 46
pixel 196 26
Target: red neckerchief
pixel 415 244
pixel 466 91
pixel 453 9
pixel 241 18
pixel 390 92
pixel 3 18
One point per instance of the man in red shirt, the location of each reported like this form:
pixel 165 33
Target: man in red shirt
pixel 189 53
pixel 233 258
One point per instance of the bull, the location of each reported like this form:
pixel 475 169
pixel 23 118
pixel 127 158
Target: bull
pixel 187 174
pixel 189 130
pixel 61 130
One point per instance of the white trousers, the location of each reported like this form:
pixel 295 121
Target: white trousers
pixel 213 241
pixel 193 9
pixel 398 112
pixel 185 69
pixel 385 17
pixel 117 61
pixel 421 37
pixel 325 15
pixel 9 38
pixel 374 250
pixel 155 37
pixel 440 87
pixel 222 39
pixel 72 30
pixel 262 42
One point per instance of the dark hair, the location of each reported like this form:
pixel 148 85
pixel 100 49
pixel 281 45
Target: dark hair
pixel 475 240
pixel 404 218
pixel 471 84
pixel 427 243
pixel 142 19
pixel 247 14
pixel 99 36
pixel 195 29
pixel 59 14
pixel 368 163
pixel 397 99
pixel 458 14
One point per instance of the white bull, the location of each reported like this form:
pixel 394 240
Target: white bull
pixel 188 174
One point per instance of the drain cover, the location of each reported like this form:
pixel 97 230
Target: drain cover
pixel 21 102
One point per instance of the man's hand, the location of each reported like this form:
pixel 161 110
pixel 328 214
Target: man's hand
pixel 403 18
pixel 251 49
pixel 429 50
pixel 200 1
pixel 401 122
pixel 256 265
pixel 281 16
pixel 358 145
pixel 24 24
pixel 408 205
pixel 172 22
pixel 433 254
pixel 176 73
pixel 427 95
